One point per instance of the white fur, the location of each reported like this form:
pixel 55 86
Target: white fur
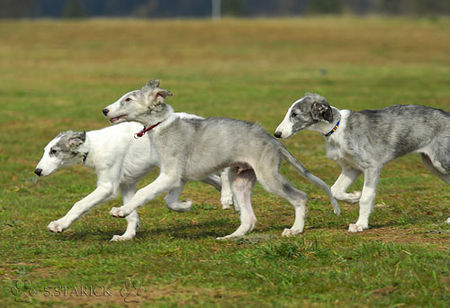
pixel 285 127
pixel 120 161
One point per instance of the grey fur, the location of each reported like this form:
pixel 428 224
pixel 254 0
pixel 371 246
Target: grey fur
pixel 194 147
pixel 68 143
pixel 366 140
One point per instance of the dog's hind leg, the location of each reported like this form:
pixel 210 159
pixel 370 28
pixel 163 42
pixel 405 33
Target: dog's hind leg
pixel 371 176
pixel 128 191
pixel 429 164
pixel 242 185
pixel 173 203
pixel 275 183
pixel 345 179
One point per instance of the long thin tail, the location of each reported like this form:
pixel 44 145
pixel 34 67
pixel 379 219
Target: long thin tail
pixel 310 177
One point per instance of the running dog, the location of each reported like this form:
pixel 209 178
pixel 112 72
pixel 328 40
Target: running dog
pixel 364 141
pixel 119 161
pixel 190 149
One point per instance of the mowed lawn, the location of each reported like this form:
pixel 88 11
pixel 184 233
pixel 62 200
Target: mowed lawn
pixel 56 76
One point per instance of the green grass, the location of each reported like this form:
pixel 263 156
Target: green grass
pixel 56 76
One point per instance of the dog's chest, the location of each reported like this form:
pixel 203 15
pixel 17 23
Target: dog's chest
pixel 334 151
pixel 338 151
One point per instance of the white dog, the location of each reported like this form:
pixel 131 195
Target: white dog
pixel 119 161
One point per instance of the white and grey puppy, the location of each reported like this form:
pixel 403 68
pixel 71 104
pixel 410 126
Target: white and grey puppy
pixel 192 148
pixel 119 161
pixel 364 141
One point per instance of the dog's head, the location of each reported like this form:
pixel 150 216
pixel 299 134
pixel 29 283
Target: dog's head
pixel 138 105
pixel 304 113
pixel 63 150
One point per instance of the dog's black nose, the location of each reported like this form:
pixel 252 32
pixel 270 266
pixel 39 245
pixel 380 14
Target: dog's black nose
pixel 38 171
pixel 277 134
pixel 105 111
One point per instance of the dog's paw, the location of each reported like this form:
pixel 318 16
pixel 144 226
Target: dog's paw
pixel 117 212
pixel 226 206
pixel 356 228
pixel 56 226
pixel 183 206
pixel 226 200
pixel 354 197
pixel 448 220
pixel 222 238
pixel 290 232
pixel 227 237
pixel 120 238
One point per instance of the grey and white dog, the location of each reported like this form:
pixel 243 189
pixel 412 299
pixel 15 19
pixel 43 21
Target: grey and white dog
pixel 120 161
pixel 190 149
pixel 364 141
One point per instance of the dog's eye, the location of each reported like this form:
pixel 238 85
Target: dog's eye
pixel 53 151
pixel 293 114
pixel 128 99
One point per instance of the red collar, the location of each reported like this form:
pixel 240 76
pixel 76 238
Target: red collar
pixel 144 130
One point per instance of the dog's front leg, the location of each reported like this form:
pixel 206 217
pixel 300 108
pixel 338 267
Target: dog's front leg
pixel 101 193
pixel 173 203
pixel 223 185
pixel 214 181
pixel 128 191
pixel 371 176
pixel 339 188
pixel 226 193
pixel 161 184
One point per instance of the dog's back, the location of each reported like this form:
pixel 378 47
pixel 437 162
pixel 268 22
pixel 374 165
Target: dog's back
pixel 398 130
pixel 238 137
pixel 214 143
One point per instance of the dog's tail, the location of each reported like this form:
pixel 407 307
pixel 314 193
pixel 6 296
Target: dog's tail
pixel 310 177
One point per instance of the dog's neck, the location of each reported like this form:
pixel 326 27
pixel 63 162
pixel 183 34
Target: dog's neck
pixel 152 118
pixel 328 128
pixel 83 151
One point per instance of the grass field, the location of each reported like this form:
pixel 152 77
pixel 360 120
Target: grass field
pixel 56 76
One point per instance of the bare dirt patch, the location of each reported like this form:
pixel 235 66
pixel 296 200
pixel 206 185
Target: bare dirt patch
pixel 408 236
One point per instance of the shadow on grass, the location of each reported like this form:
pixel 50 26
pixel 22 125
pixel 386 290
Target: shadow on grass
pixel 212 228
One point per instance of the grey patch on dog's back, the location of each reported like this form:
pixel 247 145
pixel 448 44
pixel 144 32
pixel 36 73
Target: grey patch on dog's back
pixel 196 123
pixel 404 128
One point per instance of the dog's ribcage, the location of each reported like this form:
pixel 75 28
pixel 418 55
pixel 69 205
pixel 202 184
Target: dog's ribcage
pixel 202 147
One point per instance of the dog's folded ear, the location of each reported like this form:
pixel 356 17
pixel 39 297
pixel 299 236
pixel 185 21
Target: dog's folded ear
pixel 75 139
pixel 159 95
pixel 321 110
